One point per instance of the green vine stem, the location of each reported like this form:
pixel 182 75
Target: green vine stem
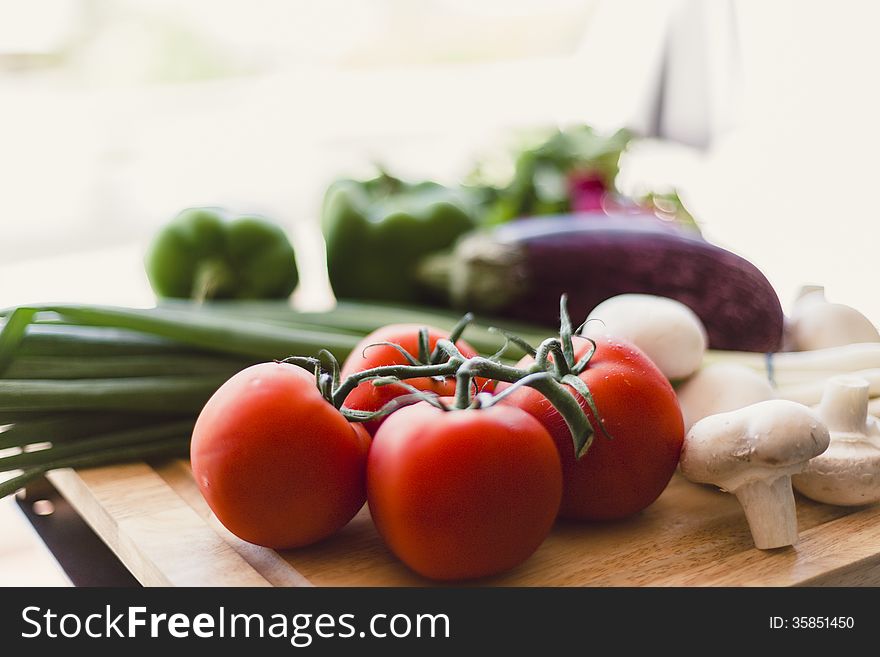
pixel 486 400
pixel 515 339
pixel 565 331
pixel 561 361
pixel 211 276
pixel 556 393
pixel 354 415
pixel 403 352
pixel 584 391
pixel 454 335
pixel 424 345
pixel 400 372
pixel 582 364
pixel 553 374
pixel 414 393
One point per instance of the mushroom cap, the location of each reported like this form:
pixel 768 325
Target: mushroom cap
pixel 816 323
pixel 761 441
pixel 846 474
pixel 670 333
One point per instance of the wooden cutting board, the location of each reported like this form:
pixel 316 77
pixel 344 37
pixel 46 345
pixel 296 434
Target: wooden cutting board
pixel 155 520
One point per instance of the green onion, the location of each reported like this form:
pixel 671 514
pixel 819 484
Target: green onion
pixel 29 428
pixel 169 394
pixel 88 341
pixel 12 334
pixel 28 459
pixel 362 318
pixel 109 367
pixel 162 448
pixel 198 329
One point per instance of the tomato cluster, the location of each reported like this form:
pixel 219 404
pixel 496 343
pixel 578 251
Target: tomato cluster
pixel 456 490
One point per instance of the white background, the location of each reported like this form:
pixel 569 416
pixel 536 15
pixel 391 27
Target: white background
pixel 159 105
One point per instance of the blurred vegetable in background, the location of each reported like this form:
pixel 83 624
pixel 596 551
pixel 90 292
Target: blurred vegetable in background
pixel 515 270
pixel 207 253
pixel 669 206
pixel 377 230
pixel 571 169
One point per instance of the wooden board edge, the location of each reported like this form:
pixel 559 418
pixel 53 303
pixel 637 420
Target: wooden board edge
pixel 269 563
pixel 138 536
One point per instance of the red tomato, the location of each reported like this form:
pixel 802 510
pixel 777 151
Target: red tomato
pixel 368 354
pixel 278 464
pixel 620 476
pixel 463 494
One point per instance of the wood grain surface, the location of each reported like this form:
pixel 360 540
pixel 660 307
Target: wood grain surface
pixel 154 518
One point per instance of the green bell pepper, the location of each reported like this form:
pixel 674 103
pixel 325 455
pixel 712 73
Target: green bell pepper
pixel 207 253
pixel 377 231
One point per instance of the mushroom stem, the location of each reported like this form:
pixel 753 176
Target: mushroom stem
pixel 844 405
pixel 814 292
pixel 770 510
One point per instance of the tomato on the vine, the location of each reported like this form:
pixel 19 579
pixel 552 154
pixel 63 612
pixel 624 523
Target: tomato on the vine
pixel 461 494
pixel 277 463
pixel 636 448
pixel 371 353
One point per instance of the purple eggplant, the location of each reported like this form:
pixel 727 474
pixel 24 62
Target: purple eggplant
pixel 519 270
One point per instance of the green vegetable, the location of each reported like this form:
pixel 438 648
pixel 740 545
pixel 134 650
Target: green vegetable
pixel 169 394
pixel 541 182
pixel 206 253
pixel 180 429
pixel 360 318
pixel 109 367
pixel 67 426
pixel 86 341
pixel 173 445
pixel 237 336
pixel 377 230
pixel 668 205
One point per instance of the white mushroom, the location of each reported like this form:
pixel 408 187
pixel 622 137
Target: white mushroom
pixel 719 388
pixel 848 472
pixel 752 452
pixel 815 323
pixel 669 332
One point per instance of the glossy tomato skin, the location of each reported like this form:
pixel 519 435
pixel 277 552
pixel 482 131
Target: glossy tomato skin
pixel 278 465
pixel 619 477
pixel 463 494
pixel 369 354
